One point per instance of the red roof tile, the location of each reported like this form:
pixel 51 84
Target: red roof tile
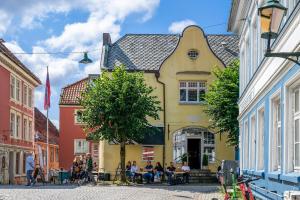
pixel 41 128
pixel 70 94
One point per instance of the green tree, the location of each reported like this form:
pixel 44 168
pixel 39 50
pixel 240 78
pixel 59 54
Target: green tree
pixel 222 98
pixel 116 108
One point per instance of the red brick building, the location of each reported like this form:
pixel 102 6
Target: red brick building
pixel 40 145
pixel 17 84
pixel 72 140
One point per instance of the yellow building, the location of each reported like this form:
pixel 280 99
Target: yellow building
pixel 179 67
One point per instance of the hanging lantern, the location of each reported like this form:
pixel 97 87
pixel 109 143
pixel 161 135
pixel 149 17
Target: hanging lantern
pixel 85 59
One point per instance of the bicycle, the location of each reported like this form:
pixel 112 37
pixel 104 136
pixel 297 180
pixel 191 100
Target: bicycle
pixel 243 183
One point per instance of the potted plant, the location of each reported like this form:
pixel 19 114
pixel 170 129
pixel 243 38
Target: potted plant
pixel 205 161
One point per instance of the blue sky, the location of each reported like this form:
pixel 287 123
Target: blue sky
pixel 77 25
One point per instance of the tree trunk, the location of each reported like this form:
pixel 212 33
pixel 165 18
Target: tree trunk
pixel 122 157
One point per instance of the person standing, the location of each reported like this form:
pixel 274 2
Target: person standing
pixel 29 169
pixel 89 167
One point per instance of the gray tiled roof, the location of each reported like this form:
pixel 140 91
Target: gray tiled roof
pixel 148 51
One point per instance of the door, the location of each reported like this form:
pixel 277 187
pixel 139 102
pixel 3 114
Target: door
pixel 194 152
pixel 11 167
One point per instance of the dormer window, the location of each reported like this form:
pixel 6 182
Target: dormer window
pixel 193 54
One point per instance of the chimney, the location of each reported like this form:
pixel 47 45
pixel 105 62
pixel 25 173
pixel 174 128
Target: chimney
pixel 106 39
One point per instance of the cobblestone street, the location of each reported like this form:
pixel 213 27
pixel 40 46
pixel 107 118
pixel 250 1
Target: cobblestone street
pixel 109 193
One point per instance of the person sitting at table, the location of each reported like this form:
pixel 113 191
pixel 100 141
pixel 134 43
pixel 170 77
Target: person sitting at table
pixel 186 169
pixel 128 169
pixel 158 172
pixel 135 172
pixel 170 172
pixel 149 172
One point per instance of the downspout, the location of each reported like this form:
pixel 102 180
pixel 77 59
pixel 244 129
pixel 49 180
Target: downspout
pixel 157 75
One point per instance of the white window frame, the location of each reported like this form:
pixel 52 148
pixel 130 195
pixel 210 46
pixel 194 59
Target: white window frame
pixel 275 133
pixel 30 130
pixel 295 117
pixel 18 128
pixel 18 173
pixel 12 124
pixel 25 128
pixel 30 95
pixel 85 146
pixel 75 116
pixel 246 145
pixel 211 158
pixel 252 144
pixel 260 138
pixel 12 87
pixel 187 87
pixel 25 94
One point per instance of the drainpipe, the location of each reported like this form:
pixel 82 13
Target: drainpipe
pixel 157 75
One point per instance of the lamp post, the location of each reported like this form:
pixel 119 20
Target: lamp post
pixel 271 15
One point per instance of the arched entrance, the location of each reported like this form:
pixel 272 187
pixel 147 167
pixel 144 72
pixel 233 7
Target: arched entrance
pixel 191 144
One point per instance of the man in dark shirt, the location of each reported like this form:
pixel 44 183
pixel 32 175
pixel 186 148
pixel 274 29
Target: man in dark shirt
pixel 170 172
pixel 149 169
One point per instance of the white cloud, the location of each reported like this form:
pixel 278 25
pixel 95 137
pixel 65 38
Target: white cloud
pixel 103 16
pixel 177 27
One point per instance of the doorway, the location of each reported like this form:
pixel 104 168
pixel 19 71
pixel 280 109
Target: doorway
pixel 11 168
pixel 194 153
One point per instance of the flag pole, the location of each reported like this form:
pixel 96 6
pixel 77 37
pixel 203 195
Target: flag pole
pixel 47 172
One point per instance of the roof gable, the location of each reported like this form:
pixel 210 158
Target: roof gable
pixel 146 52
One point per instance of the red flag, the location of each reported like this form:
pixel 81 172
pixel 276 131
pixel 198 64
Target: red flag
pixel 47 92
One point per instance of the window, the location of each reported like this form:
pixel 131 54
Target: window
pixel 192 91
pixel 18 89
pixel 17 163
pixel 12 124
pixel 252 143
pixel 25 96
pixel 18 126
pixel 30 97
pixel 260 140
pixel 193 54
pixel 30 130
pixel 25 129
pixel 209 145
pixel 12 87
pixel 81 146
pixel 56 155
pixel 79 117
pixel 148 153
pixel 296 120
pixel 275 135
pixel 246 146
pixel 51 154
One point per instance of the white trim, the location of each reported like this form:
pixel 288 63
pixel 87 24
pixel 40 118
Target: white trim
pixel 260 130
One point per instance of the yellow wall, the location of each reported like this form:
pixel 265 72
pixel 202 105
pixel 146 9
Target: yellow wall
pixel 178 67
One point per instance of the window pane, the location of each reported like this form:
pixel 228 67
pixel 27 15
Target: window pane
pixel 201 95
pixel 297 155
pixel 297 101
pixel 192 95
pixel 297 137
pixel 182 95
pixel 182 84
pixel 192 84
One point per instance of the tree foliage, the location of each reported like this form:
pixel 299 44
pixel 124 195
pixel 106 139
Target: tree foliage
pixel 116 107
pixel 222 98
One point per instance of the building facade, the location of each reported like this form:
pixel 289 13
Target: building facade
pixel 179 67
pixel 269 100
pixel 17 86
pixel 40 144
pixel 72 140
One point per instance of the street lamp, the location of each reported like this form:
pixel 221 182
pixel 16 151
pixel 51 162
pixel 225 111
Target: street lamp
pixel 85 59
pixel 271 15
